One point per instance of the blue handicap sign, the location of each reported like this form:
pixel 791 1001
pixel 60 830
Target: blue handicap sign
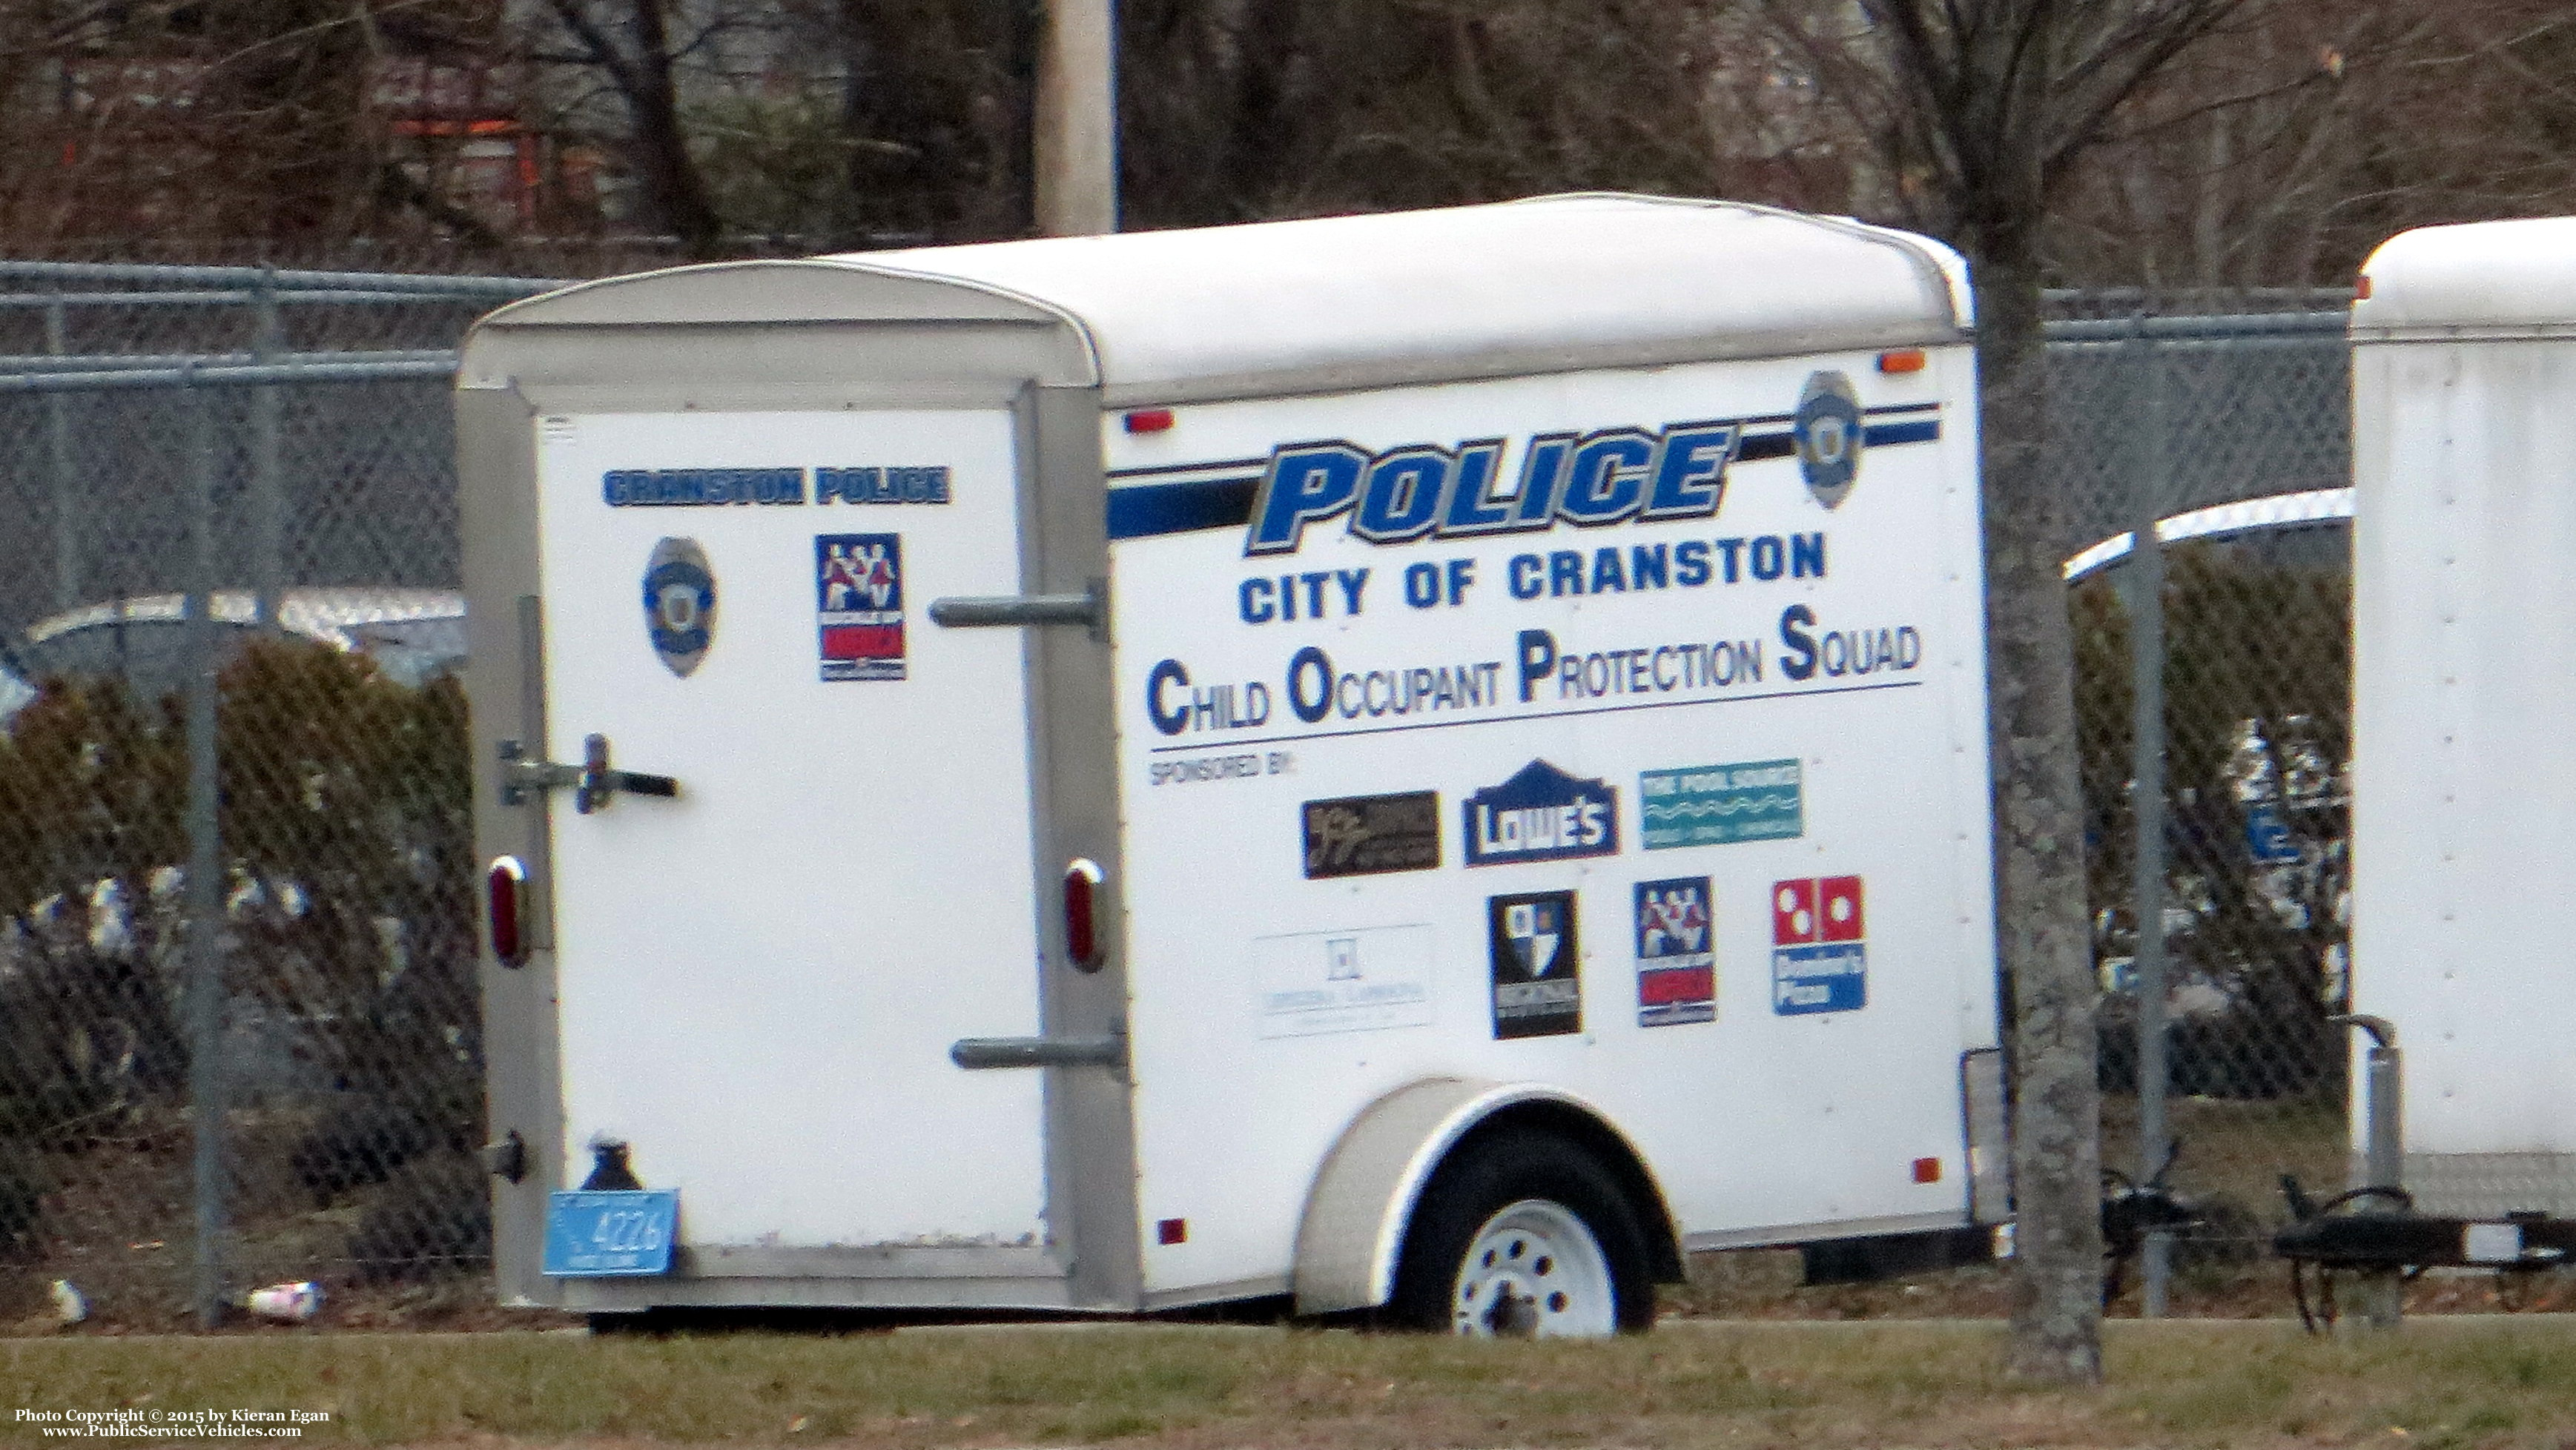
pixel 2267 837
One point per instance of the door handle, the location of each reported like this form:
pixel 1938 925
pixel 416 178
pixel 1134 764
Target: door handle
pixel 1089 609
pixel 977 1054
pixel 593 781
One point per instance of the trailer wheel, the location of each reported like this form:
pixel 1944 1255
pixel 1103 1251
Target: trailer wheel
pixel 1522 1234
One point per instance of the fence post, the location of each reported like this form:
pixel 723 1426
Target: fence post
pixel 267 491
pixel 205 883
pixel 58 450
pixel 2146 580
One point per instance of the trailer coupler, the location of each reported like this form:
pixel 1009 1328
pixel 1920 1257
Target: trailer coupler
pixel 2378 1230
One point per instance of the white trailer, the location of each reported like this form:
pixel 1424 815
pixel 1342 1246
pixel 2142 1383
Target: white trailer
pixel 1432 760
pixel 2464 815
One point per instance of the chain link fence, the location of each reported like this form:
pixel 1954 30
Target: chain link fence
pixel 239 1025
pixel 2207 454
pixel 239 1021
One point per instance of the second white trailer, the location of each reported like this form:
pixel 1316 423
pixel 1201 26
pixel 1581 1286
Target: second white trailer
pixel 2464 815
pixel 1433 761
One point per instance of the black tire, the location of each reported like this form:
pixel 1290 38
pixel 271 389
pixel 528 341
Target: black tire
pixel 1494 1171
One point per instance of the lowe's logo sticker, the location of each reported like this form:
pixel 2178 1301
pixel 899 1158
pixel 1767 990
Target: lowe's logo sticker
pixel 1423 490
pixel 1541 814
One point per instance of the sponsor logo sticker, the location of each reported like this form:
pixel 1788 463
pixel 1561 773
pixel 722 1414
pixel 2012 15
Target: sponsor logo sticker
pixel 1818 960
pixel 1711 805
pixel 1538 981
pixel 1361 980
pixel 1541 814
pixel 858 588
pixel 679 604
pixel 1369 835
pixel 1676 952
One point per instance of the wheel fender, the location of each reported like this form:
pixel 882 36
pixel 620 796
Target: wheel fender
pixel 1353 1226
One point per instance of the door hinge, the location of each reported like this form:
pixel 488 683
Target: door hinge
pixel 593 782
pixel 508 1158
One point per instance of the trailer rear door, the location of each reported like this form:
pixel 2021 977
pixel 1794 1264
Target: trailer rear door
pixel 760 977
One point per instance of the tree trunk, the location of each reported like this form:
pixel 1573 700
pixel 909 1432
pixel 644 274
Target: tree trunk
pixel 2039 869
pixel 670 173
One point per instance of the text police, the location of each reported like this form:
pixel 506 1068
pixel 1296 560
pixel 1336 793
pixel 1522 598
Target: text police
pixel 1422 490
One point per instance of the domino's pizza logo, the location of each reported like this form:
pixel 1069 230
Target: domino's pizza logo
pixel 1819 955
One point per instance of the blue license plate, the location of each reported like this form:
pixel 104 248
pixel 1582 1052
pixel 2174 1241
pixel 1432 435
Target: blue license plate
pixel 593 1234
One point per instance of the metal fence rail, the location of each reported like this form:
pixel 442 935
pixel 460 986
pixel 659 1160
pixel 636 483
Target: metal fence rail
pixel 239 1023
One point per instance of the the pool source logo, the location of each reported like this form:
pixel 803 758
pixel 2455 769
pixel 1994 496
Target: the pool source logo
pixel 1818 960
pixel 679 604
pixel 1541 814
pixel 858 586
pixel 1711 805
pixel 1538 982
pixel 1676 953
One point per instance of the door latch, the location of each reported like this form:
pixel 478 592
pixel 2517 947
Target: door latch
pixel 593 782
pixel 1089 609
pixel 982 1054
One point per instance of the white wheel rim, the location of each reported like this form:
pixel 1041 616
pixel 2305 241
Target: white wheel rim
pixel 1534 1269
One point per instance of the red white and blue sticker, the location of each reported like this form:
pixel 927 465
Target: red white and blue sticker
pixel 1536 961
pixel 1676 952
pixel 1819 962
pixel 858 588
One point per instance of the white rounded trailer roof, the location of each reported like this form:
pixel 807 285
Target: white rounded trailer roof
pixel 1523 286
pixel 2511 278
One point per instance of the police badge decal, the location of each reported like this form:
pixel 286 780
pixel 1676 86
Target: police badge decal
pixel 1828 433
pixel 679 604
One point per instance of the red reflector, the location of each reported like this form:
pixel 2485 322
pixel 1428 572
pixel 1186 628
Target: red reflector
pixel 1172 1231
pixel 1927 1170
pixel 2361 288
pixel 503 886
pixel 1149 420
pixel 1081 933
pixel 1902 360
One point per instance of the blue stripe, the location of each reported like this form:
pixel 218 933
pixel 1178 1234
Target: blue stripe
pixel 1152 509
pixel 1878 435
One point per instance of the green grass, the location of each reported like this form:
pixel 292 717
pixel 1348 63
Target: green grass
pixel 1830 1385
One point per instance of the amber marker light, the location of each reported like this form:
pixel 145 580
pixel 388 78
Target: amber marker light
pixel 1901 360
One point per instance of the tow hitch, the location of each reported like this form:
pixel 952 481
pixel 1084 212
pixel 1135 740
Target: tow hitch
pixel 2375 1231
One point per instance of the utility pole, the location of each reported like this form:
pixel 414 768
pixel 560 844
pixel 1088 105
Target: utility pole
pixel 1076 151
